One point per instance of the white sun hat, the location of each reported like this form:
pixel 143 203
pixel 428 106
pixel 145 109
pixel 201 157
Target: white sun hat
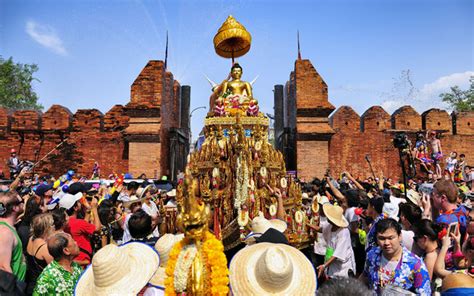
pixel 119 270
pixel 164 246
pixel 271 269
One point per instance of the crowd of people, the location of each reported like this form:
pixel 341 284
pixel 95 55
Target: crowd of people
pixel 368 235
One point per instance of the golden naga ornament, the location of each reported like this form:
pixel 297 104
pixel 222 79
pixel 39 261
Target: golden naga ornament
pixel 232 39
pixel 197 264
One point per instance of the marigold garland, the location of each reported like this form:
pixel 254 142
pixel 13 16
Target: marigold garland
pixel 216 264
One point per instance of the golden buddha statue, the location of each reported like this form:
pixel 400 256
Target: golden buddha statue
pixel 236 86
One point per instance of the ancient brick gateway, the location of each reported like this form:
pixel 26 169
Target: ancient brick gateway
pixel 146 136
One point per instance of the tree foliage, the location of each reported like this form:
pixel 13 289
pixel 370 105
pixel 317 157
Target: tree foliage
pixel 16 91
pixel 460 100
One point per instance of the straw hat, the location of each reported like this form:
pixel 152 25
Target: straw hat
pixel 164 246
pixel 414 196
pixel 271 269
pixel 141 192
pixel 123 270
pixel 260 224
pixel 335 214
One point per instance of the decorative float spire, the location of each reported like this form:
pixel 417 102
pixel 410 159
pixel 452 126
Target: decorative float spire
pixel 232 39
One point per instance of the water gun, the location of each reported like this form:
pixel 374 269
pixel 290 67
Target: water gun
pixel 362 236
pixel 69 175
pixel 117 183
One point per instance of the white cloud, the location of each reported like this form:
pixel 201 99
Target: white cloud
pixel 46 36
pixel 427 96
pixel 443 84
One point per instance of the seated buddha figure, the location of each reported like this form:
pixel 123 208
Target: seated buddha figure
pixel 236 91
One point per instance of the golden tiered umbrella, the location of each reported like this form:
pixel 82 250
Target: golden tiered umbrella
pixel 232 39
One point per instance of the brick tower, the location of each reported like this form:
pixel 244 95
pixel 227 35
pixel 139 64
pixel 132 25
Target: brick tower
pixel 306 131
pixel 158 124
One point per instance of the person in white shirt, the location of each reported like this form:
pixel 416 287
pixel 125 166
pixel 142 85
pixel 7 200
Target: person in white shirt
pixel 451 163
pixel 149 206
pixel 320 221
pixel 339 259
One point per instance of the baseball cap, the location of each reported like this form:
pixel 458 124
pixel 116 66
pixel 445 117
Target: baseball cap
pixel 68 200
pixel 42 189
pixel 76 188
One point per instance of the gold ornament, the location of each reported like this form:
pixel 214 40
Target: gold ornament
pixel 299 216
pixel 263 171
pixel 232 39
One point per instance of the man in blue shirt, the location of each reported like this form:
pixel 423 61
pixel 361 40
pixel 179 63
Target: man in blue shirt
pixel 392 266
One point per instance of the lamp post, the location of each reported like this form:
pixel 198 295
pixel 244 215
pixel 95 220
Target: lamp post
pixel 190 115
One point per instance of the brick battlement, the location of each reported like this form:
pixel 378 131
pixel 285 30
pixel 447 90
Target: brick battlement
pixel 59 118
pixel 308 131
pixel 376 119
pixel 371 134
pixel 94 137
pixel 128 138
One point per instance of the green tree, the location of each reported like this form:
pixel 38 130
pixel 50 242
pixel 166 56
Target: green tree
pixel 460 100
pixel 16 91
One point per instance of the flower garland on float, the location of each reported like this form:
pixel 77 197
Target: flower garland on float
pixel 177 271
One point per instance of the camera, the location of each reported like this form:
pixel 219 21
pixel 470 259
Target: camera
pixel 400 141
pixel 426 188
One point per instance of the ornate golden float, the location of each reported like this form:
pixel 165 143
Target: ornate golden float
pixel 236 170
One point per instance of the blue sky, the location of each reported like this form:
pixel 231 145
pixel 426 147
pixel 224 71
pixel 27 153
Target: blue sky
pixel 90 52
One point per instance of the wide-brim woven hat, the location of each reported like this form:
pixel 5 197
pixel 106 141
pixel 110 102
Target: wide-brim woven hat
pixel 271 269
pixel 335 214
pixel 163 246
pixel 260 224
pixel 119 270
pixel 414 196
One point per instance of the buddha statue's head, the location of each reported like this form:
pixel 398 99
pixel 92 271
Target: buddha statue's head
pixel 236 71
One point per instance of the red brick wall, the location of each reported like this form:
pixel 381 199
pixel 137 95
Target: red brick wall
pixel 34 134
